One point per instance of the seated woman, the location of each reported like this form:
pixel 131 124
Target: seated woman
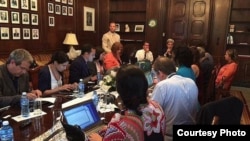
pixel 50 76
pixel 143 119
pixel 226 73
pixel 113 58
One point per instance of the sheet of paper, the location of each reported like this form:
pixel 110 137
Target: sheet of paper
pixel 48 99
pixel 20 118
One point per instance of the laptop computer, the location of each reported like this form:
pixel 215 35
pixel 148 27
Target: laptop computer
pixel 85 115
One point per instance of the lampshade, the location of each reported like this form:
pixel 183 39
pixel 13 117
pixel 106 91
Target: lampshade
pixel 70 39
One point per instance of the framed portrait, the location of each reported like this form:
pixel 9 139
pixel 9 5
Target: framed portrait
pixel 57 0
pixel 35 34
pixel 139 28
pixel 88 19
pixel 70 11
pixel 16 34
pixel 58 9
pixel 64 1
pixel 15 18
pixel 50 8
pixel 34 19
pixel 117 27
pixel 70 2
pixel 51 21
pixel 4 16
pixel 3 3
pixel 25 18
pixel 5 33
pixel 25 4
pixel 26 33
pixel 14 4
pixel 64 10
pixel 33 5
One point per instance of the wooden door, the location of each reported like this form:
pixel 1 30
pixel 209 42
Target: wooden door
pixel 188 21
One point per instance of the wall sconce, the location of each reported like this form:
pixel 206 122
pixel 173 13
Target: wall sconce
pixel 71 40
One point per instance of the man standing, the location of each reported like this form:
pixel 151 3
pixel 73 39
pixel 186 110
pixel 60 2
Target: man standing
pixel 110 37
pixel 14 78
pixel 177 95
pixel 144 53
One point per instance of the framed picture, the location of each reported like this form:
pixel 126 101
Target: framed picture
pixel 57 0
pixel 14 4
pixel 34 19
pixel 64 10
pixel 16 33
pixel 25 18
pixel 35 34
pixel 64 1
pixel 58 9
pixel 117 27
pixel 33 5
pixel 70 11
pixel 15 18
pixel 139 28
pixel 88 19
pixel 3 3
pixel 5 33
pixel 24 4
pixel 70 2
pixel 50 8
pixel 51 21
pixel 4 16
pixel 26 33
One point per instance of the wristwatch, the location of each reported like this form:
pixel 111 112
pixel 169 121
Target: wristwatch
pixel 152 23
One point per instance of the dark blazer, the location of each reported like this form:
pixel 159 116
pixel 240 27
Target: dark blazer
pixel 44 79
pixel 8 94
pixel 78 69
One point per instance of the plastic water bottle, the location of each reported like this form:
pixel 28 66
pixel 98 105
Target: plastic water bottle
pixel 25 110
pixel 99 77
pixel 81 88
pixel 6 132
pixel 95 98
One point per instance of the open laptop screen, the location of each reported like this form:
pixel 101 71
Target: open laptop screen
pixel 84 114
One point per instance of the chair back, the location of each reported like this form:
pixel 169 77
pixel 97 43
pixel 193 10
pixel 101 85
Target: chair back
pixel 34 74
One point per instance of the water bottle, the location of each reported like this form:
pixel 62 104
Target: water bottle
pixel 95 98
pixel 6 132
pixel 99 77
pixel 25 110
pixel 81 88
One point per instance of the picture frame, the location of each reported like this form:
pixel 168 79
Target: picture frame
pixel 35 34
pixel 15 18
pixel 3 3
pixel 14 4
pixel 139 28
pixel 5 33
pixel 117 29
pixel 58 9
pixel 70 2
pixel 51 21
pixel 4 16
pixel 33 5
pixel 57 0
pixel 34 19
pixel 50 8
pixel 88 19
pixel 26 33
pixel 70 11
pixel 16 33
pixel 64 10
pixel 24 4
pixel 25 18
pixel 64 1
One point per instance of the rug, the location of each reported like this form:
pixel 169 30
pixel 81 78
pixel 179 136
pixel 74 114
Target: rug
pixel 245 119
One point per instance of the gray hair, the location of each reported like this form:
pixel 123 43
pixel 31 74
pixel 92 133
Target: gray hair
pixel 170 40
pixel 19 55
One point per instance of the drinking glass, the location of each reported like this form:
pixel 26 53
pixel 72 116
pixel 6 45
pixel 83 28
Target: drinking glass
pixel 37 106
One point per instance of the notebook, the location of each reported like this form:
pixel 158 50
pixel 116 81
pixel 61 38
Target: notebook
pixel 84 115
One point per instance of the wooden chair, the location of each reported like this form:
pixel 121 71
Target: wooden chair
pixel 34 74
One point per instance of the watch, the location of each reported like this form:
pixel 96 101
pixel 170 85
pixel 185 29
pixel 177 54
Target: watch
pixel 152 23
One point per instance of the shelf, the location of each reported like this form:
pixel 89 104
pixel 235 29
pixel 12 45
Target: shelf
pixel 238 45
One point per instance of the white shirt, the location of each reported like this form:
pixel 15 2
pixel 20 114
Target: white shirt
pixel 54 82
pixel 108 39
pixel 140 55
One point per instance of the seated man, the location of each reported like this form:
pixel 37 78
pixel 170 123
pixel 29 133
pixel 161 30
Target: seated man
pixel 14 78
pixel 144 53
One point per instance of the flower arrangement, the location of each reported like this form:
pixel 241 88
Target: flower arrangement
pixel 108 83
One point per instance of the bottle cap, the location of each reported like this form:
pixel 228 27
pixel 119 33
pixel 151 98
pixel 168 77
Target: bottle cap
pixel 24 93
pixel 81 80
pixel 6 122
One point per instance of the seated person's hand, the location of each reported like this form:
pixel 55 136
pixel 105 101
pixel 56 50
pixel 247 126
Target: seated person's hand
pixel 93 78
pixel 34 94
pixel 66 87
pixel 74 86
pixel 94 137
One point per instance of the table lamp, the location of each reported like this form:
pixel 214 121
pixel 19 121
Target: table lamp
pixel 70 39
